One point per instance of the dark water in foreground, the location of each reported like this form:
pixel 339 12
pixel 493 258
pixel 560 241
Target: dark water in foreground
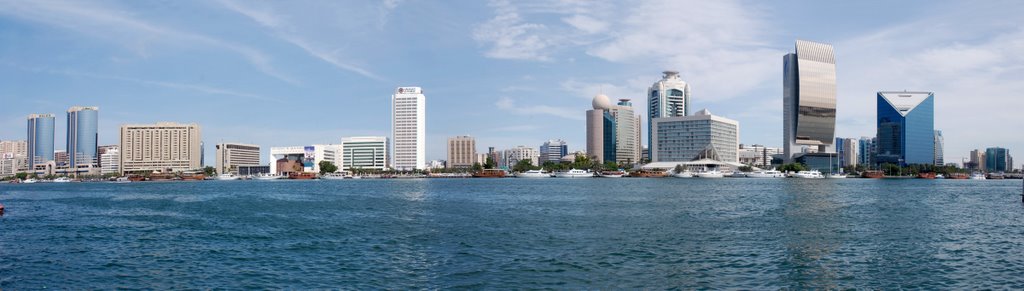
pixel 509 233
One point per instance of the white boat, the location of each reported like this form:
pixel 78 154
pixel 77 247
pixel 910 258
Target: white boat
pixel 226 177
pixel 683 174
pixel 30 181
pixel 611 174
pixel 809 175
pixel 940 176
pixel 766 174
pixel 710 174
pixel 62 180
pixel 122 180
pixel 267 177
pixel 334 176
pixel 574 173
pixel 533 174
pixel 835 176
pixel 978 176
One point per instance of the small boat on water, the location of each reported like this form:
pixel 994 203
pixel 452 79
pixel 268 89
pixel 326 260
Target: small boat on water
pixel 30 181
pixel 301 176
pixel 266 176
pixel 62 180
pixel 683 174
pixel 649 174
pixel 335 176
pixel 958 176
pixel 122 180
pixel 161 177
pixel 835 176
pixel 490 173
pixel 995 176
pixel 574 173
pixel 710 174
pixel 766 174
pixel 873 174
pixel 611 174
pixel 135 178
pixel 227 177
pixel 193 176
pixel 809 175
pixel 929 176
pixel 534 174
pixel 978 176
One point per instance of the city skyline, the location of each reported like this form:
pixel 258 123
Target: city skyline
pixel 482 60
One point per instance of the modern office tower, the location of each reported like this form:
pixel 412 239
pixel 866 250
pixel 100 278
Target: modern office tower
pixel 232 155
pixel 303 159
pixel 865 150
pixel 364 153
pixel 840 150
pixel 160 147
pixel 700 136
pixel 519 153
pixel 998 160
pixel 977 160
pixel 83 134
pixel 40 139
pixel 669 97
pixel 851 152
pixel 940 159
pixel 613 131
pixel 461 151
pixel 906 128
pixel 553 150
pixel 408 131
pixel 109 161
pixel 808 98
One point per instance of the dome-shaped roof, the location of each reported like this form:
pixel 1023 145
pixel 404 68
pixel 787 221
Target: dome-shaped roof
pixel 704 112
pixel 602 101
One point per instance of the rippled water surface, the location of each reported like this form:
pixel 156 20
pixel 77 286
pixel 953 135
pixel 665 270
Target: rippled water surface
pixel 515 233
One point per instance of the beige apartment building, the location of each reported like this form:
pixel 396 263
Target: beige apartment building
pixel 160 147
pixel 461 151
pixel 232 155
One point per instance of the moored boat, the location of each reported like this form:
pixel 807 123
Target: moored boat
pixel 710 174
pixel 611 174
pixel 809 175
pixel 334 176
pixel 766 174
pixel 490 173
pixel 958 176
pixel 30 181
pixel 301 176
pixel 62 180
pixel 872 174
pixel 683 174
pixel 978 176
pixel 193 176
pixel 122 180
pixel 928 176
pixel 266 176
pixel 574 173
pixel 649 174
pixel 160 177
pixel 227 177
pixel 835 176
pixel 533 174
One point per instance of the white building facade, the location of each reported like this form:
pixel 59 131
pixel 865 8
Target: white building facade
pixel 669 97
pixel 408 129
pixel 231 155
pixel 364 152
pixel 700 136
pixel 298 159
pixel 110 161
pixel 519 153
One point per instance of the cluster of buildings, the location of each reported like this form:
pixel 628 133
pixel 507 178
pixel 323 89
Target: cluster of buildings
pixel 906 135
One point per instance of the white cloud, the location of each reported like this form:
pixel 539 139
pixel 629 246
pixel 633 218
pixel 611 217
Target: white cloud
pixel 586 23
pixel 511 106
pixel 119 26
pixel 512 38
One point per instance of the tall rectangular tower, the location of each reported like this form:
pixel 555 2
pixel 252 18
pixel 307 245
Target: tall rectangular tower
pixel 40 139
pixel 809 98
pixel 669 97
pixel 82 136
pixel 408 129
pixel 906 128
pixel 461 151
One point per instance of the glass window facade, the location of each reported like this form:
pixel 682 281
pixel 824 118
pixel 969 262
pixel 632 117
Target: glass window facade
pixel 906 128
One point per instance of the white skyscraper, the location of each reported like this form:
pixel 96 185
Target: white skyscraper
pixel 408 129
pixel 669 97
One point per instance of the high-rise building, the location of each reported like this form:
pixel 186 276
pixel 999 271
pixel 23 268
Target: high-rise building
pixel 669 97
pixel 83 136
pixel 613 131
pixel 809 98
pixel 110 161
pixel 408 131
pixel 303 159
pixel 940 159
pixel 40 139
pixel 232 155
pixel 13 157
pixel 865 150
pixel 461 151
pixel 160 147
pixel 851 152
pixel 998 159
pixel 977 160
pixel 906 128
pixel 364 153
pixel 553 150
pixel 699 136
pixel 519 153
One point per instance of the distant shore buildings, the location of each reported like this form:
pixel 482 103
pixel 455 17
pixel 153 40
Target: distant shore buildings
pixel 408 129
pixel 163 146
pixel 231 156
pixel 364 153
pixel 613 131
pixel 809 99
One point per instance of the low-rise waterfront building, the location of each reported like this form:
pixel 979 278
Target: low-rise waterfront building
pixel 304 159
pixel 110 160
pixel 232 155
pixel 364 152
pixel 553 150
pixel 461 151
pixel 519 153
pixel 160 147
pixel 687 138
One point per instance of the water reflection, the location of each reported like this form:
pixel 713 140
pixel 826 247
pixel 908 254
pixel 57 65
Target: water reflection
pixel 810 236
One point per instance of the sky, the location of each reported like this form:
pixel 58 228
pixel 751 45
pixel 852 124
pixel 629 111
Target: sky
pixel 288 73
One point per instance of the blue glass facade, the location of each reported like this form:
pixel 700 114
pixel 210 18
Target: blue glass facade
pixel 997 160
pixel 609 136
pixel 906 128
pixel 40 139
pixel 82 136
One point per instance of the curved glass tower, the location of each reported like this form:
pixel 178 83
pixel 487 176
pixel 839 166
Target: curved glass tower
pixel 669 97
pixel 40 139
pixel 82 135
pixel 809 98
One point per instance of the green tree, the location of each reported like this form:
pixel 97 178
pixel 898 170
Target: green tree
pixel 477 167
pixel 523 166
pixel 746 169
pixel 611 166
pixel 794 167
pixel 582 162
pixel 489 163
pixel 21 176
pixel 327 167
pixel 209 171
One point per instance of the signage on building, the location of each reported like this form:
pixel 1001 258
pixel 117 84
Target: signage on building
pixel 8 156
pixel 408 90
pixel 309 155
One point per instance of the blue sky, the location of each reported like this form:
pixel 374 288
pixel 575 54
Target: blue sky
pixel 282 73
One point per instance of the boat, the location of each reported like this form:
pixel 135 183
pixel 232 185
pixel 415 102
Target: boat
pixel 193 176
pixel 122 180
pixel 490 173
pixel 62 180
pixel 766 174
pixel 30 181
pixel 574 173
pixel 958 176
pixel 928 176
pixel 611 174
pixel 940 176
pixel 301 176
pixel 227 177
pixel 135 178
pixel 533 174
pixel 872 174
pixel 710 174
pixel 978 176
pixel 809 175
pixel 649 174
pixel 267 176
pixel 160 177
pixel 334 176
pixel 835 176
pixel 683 174
pixel 995 176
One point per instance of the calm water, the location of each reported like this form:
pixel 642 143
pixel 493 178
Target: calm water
pixel 509 233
